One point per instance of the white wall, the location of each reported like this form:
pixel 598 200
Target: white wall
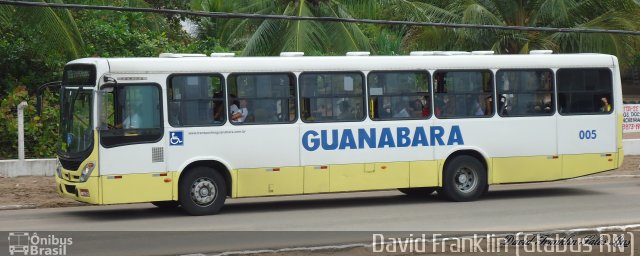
pixel 30 167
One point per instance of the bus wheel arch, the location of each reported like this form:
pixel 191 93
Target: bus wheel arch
pixel 464 176
pixel 215 166
pixel 203 189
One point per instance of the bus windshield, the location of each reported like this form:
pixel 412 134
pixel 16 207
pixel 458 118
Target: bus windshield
pixel 76 133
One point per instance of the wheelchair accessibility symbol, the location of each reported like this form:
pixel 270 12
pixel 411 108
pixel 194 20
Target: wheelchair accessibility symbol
pixel 176 138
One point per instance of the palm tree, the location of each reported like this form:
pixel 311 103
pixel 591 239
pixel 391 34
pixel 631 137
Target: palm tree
pixel 270 37
pixel 57 26
pixel 610 14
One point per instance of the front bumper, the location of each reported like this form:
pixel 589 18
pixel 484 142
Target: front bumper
pixel 88 192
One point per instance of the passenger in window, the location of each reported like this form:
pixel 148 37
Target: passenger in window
pixel 488 104
pixel 402 110
pixel 416 109
pixel 448 108
pixel 426 106
pixel 322 113
pixel 544 106
pixel 174 113
pixel 357 111
pixel 239 112
pixel 218 107
pixel 346 112
pixel 385 111
pixel 420 107
pixel 477 108
pixel 133 119
pixel 438 104
pixel 503 105
pixel 606 107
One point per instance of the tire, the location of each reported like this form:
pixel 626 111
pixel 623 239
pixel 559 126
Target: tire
pixel 166 204
pixel 417 192
pixel 464 179
pixel 202 191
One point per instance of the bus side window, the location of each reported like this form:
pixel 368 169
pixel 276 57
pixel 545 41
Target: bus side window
pixel 262 98
pixel 525 92
pixel 332 96
pixel 397 95
pixel 195 100
pixel 463 93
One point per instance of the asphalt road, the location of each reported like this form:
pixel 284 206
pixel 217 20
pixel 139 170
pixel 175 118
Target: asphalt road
pixel 522 207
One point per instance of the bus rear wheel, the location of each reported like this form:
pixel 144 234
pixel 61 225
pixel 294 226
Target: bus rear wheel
pixel 417 192
pixel 202 191
pixel 465 179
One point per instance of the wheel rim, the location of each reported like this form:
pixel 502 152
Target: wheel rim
pixel 203 191
pixel 466 179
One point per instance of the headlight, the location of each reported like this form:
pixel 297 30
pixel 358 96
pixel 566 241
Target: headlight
pixel 86 172
pixel 58 169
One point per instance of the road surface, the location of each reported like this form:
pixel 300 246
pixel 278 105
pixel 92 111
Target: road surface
pixel 522 207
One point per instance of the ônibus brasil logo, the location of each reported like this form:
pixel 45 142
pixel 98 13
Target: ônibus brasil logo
pixel 23 243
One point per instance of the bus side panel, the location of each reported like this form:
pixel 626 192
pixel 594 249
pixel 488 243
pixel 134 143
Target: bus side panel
pixel 368 166
pixel 521 149
pixel 423 174
pixel 526 169
pixel 618 107
pixel 134 188
pixel 316 179
pixel 587 142
pixel 270 181
pixel 584 164
pixel 347 177
pixel 620 147
pixel 354 177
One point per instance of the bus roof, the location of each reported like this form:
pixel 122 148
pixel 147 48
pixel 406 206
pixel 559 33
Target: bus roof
pixel 349 63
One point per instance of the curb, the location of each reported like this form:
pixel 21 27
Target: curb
pixel 606 177
pixel 17 207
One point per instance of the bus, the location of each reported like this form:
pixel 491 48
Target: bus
pixel 190 130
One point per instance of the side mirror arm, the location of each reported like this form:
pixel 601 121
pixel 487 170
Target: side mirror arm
pixel 41 89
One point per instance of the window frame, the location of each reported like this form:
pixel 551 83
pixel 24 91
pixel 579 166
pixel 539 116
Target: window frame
pixel 224 99
pixel 363 96
pixel 429 94
pixel 494 103
pixel 553 91
pixel 128 141
pixel 611 101
pixel 296 99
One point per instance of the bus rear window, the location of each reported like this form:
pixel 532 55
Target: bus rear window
pixel 585 91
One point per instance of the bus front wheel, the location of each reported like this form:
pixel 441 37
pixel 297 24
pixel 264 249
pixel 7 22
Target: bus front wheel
pixel 464 179
pixel 202 191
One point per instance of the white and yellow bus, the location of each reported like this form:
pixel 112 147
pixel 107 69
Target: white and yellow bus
pixel 191 130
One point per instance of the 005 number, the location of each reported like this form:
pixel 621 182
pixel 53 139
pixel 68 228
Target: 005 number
pixel 587 134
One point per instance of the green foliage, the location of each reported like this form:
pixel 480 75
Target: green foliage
pixel 592 14
pixel 109 35
pixel 270 37
pixel 32 53
pixel 26 59
pixel 40 132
